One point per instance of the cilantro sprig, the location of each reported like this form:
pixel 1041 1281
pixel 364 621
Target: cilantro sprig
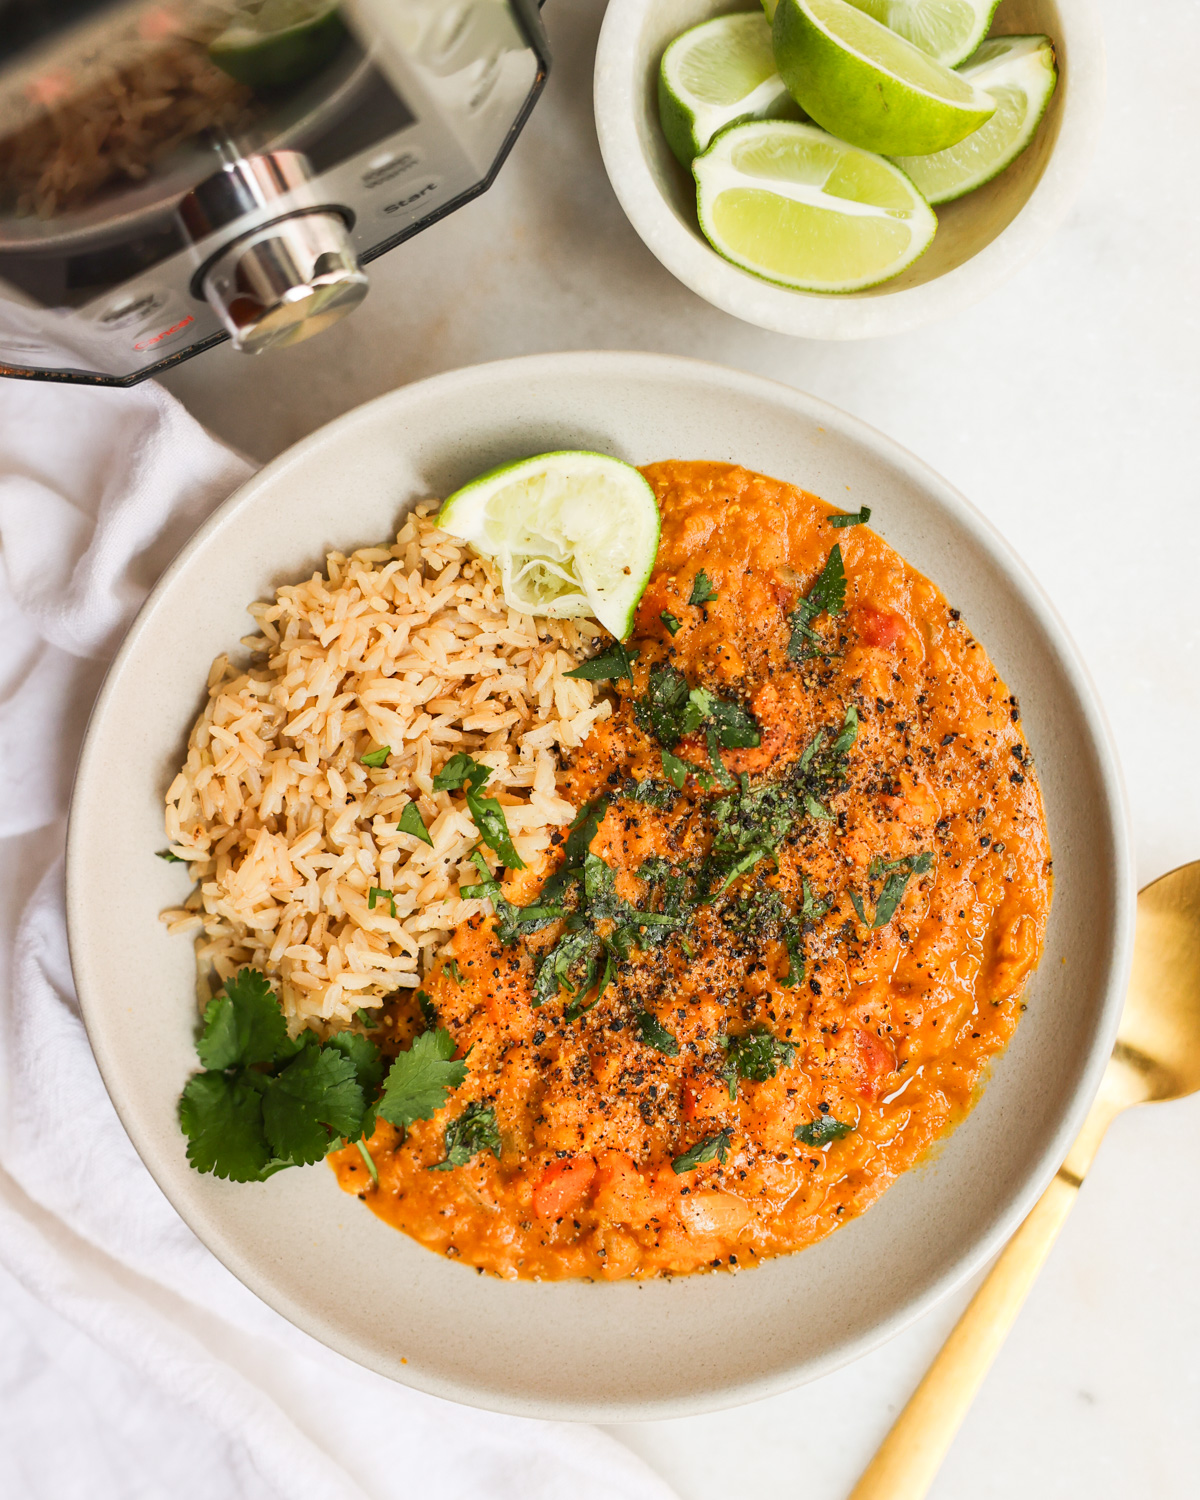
pixel 266 1100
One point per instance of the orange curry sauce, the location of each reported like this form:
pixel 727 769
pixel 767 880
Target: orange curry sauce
pixel 888 1032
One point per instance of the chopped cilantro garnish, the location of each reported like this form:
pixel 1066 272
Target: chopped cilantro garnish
pixel 822 1130
pixel 851 517
pixel 676 770
pixel 894 886
pixel 473 1131
pixel 493 828
pixel 376 758
pixel 611 665
pixel 370 1161
pixel 455 973
pixel 412 822
pixel 827 596
pixel 713 1147
pixel 702 589
pixel 756 1055
pixel 651 1031
pixel 856 901
pixel 794 944
pixel 366 1018
pixel 673 624
pixel 459 771
pixel 375 894
pixel 650 793
pixel 512 921
pixel 714 756
pixel 171 857
pixel 428 1010
pixel 670 709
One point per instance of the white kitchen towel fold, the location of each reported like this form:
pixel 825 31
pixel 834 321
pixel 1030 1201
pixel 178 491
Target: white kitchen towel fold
pixel 132 1364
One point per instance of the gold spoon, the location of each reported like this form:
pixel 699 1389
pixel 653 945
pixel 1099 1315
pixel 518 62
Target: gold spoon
pixel 1156 1056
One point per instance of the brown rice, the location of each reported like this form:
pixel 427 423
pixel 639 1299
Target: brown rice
pixel 287 832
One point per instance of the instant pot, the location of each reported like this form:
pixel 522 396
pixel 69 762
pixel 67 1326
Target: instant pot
pixel 171 176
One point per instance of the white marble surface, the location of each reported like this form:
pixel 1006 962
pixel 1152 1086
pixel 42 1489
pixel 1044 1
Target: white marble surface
pixel 1066 407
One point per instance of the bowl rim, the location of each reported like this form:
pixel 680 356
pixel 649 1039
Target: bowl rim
pixel 87 797
pixel 879 312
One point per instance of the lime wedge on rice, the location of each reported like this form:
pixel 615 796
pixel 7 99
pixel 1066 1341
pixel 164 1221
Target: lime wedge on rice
pixel 949 30
pixel 869 86
pixel 718 72
pixel 796 206
pixel 277 43
pixel 571 533
pixel 1019 73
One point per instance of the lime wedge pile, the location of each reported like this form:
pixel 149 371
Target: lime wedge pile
pixel 795 205
pixel 571 533
pixel 907 106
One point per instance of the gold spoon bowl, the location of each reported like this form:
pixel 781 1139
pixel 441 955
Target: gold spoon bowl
pixel 1156 1057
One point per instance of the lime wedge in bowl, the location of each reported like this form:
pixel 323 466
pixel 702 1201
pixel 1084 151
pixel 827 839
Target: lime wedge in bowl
pixel 718 72
pixel 1020 75
pixel 867 85
pixel 793 205
pixel 571 533
pixel 949 30
pixel 271 44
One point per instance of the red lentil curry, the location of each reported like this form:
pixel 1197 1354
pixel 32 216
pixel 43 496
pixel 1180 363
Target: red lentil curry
pixel 810 878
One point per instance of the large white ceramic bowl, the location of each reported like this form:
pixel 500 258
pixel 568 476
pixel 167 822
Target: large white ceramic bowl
pixel 981 239
pixel 624 1350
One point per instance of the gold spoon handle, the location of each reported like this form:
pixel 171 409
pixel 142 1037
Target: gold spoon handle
pixel 908 1459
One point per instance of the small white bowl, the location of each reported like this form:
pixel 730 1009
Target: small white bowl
pixel 981 240
pixel 627 1350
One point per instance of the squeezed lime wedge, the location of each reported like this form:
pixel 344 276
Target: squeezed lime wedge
pixel 571 533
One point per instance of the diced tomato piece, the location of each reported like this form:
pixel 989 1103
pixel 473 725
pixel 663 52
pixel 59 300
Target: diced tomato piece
pixel 877 1061
pixel 877 627
pixel 563 1185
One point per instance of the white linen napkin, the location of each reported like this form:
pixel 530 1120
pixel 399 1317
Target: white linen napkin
pixel 132 1364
